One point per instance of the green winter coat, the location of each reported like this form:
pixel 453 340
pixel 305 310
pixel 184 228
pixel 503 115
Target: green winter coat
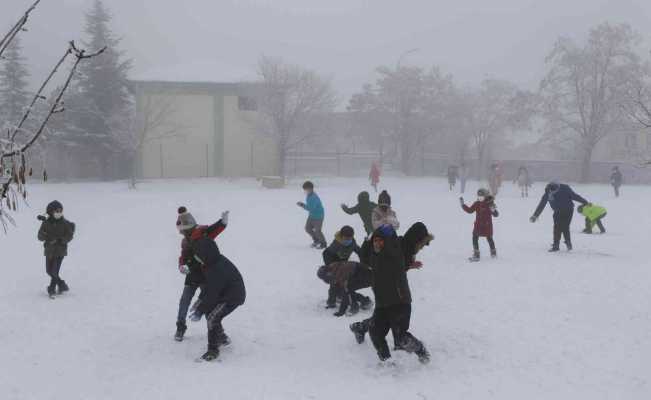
pixel 365 209
pixel 55 235
pixel 593 212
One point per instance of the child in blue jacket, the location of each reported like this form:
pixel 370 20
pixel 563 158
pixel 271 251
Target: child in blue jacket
pixel 314 223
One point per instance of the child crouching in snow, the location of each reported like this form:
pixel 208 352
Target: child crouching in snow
pixel 345 278
pixel 593 214
pixel 485 209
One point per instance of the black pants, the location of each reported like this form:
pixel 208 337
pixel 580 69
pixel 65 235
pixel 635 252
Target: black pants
pixel 616 187
pixel 216 333
pixel 395 318
pixel 562 222
pixel 52 267
pixel 600 225
pixel 475 242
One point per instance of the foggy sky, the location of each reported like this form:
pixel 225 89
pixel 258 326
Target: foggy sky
pixel 220 40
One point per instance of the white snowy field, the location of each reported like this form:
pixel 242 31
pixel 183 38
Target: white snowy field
pixel 528 325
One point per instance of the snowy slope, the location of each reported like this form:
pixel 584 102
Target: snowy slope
pixel 528 325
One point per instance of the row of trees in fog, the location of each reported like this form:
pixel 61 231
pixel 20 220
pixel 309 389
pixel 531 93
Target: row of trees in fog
pixel 590 89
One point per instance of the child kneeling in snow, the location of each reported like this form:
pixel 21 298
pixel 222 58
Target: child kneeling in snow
pixel 341 248
pixel 485 210
pixel 593 214
pixel 345 278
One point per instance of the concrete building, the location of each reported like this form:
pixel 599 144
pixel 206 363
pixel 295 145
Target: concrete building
pixel 200 129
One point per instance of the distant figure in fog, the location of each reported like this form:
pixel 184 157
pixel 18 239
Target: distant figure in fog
pixel 453 174
pixel 495 178
pixel 616 180
pixel 374 175
pixel 464 171
pixel 524 181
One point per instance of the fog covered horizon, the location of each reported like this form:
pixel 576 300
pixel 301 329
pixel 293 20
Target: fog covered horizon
pixel 343 39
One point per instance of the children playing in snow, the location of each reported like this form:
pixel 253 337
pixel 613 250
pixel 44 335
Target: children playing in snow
pixel 485 209
pixel 223 288
pixel 385 255
pixel 594 215
pixel 364 208
pixel 341 248
pixel 561 199
pixel 383 214
pixel 188 264
pixel 55 233
pixel 316 214
pixel 345 278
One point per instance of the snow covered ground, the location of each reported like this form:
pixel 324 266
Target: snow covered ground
pixel 529 325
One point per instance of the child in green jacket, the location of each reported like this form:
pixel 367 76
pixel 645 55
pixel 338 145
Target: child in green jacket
pixel 593 215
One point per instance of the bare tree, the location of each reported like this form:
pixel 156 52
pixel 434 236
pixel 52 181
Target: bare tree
pixel 290 97
pixel 586 84
pixel 491 111
pixel 14 161
pixel 154 119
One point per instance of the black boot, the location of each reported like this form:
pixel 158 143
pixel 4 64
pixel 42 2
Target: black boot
pixel 51 290
pixel 62 286
pixel 494 253
pixel 475 256
pixel 181 327
pixel 359 330
pixel 569 246
pixel 553 249
pixel 210 355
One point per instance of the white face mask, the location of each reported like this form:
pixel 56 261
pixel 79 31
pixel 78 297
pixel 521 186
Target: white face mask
pixel 481 198
pixel 57 215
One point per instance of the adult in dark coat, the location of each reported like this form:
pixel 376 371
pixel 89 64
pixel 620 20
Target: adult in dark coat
pixel 616 180
pixel 55 233
pixel 364 208
pixel 561 199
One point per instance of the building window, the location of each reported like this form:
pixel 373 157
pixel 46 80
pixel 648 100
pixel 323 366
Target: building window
pixel 246 103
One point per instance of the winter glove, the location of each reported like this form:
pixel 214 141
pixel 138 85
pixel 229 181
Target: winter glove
pixel 493 207
pixel 225 217
pixel 416 265
pixel 301 204
pixel 533 219
pixel 41 218
pixel 184 269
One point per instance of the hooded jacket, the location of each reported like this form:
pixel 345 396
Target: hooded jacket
pixel 384 217
pixel 338 251
pixel 560 198
pixel 364 208
pixel 593 212
pixel 485 212
pixel 55 235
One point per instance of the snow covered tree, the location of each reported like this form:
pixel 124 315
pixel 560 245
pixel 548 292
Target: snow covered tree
pixel 586 85
pixel 14 95
pixel 291 97
pixel 100 93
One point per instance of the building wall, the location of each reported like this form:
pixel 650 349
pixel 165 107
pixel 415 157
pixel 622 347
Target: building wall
pixel 248 153
pixel 217 136
pixel 189 151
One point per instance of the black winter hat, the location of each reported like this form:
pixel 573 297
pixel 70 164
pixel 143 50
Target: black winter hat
pixel 347 231
pixel 363 197
pixel 308 185
pixel 384 199
pixel 53 206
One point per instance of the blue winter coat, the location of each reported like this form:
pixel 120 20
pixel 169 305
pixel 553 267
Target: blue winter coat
pixel 561 199
pixel 314 206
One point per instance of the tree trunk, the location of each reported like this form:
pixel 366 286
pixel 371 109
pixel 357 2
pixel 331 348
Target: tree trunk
pixel 586 163
pixel 282 159
pixel 405 156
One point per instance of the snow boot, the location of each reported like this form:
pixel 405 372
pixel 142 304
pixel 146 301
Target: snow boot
pixel 493 253
pixel 354 308
pixel 569 246
pixel 181 327
pixel 210 355
pixel 553 249
pixel 359 331
pixel 476 256
pixel 51 290
pixel 62 286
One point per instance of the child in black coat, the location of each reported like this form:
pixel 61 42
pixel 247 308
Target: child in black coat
pixel 55 233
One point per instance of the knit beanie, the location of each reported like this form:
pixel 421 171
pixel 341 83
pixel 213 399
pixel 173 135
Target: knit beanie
pixel 384 199
pixel 185 220
pixel 53 206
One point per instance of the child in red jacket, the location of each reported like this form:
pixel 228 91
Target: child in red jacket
pixel 485 210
